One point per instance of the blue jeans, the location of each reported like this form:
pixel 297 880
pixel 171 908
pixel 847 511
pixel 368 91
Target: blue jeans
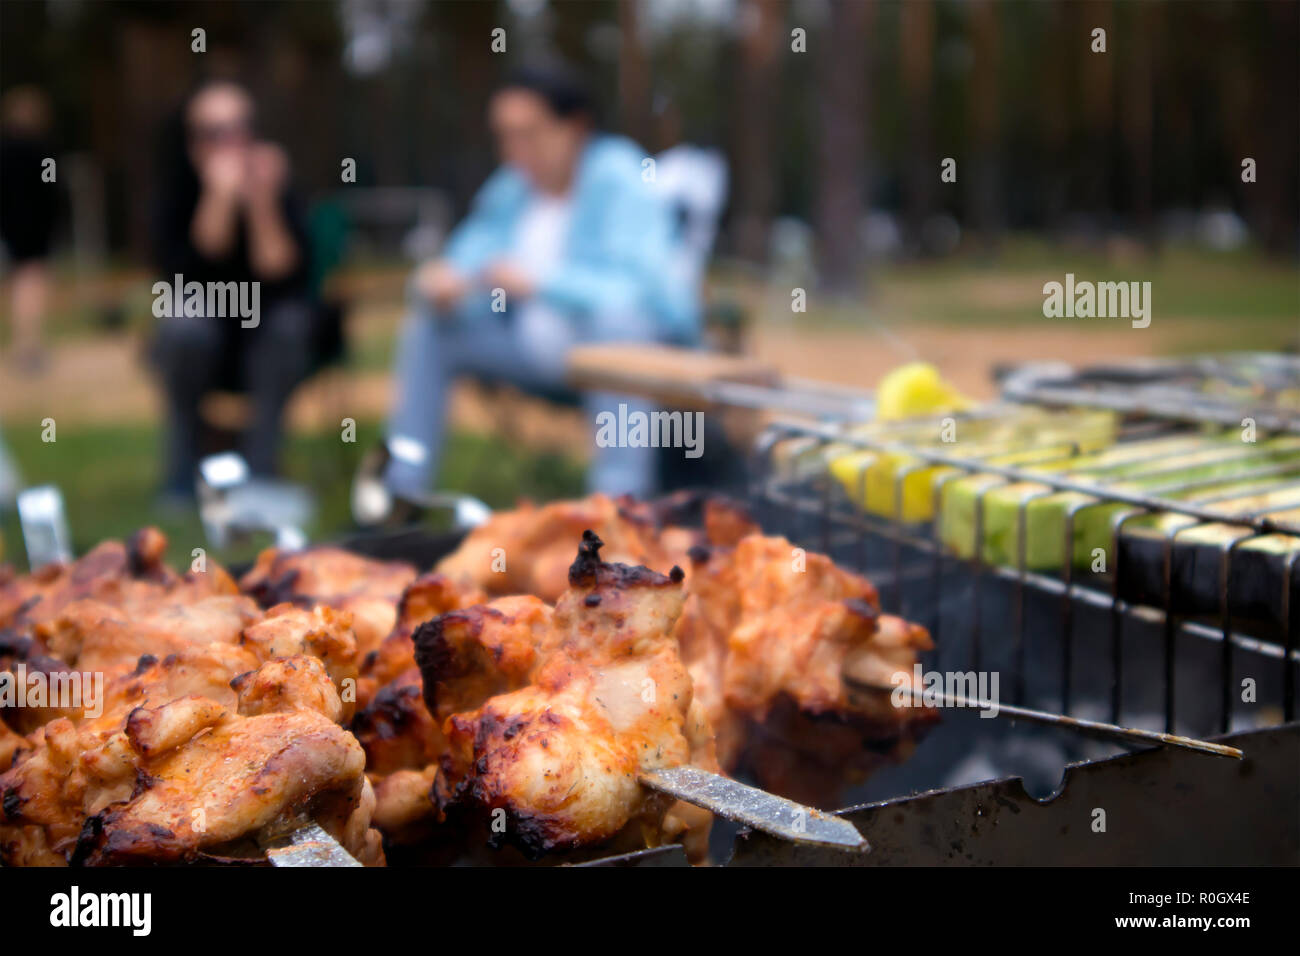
pixel 525 348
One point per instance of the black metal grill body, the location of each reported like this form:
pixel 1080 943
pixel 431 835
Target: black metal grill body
pixel 1163 807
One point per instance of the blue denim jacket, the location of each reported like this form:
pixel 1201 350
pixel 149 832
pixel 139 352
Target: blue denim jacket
pixel 619 244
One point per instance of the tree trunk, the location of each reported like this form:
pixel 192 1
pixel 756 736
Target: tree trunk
pixel 1098 82
pixel 633 74
pixel 1280 147
pixel 983 185
pixel 1056 59
pixel 916 26
pixel 755 167
pixel 474 70
pixel 1138 116
pixel 844 102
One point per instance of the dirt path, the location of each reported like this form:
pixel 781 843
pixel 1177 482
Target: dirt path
pixel 105 379
pixel 964 355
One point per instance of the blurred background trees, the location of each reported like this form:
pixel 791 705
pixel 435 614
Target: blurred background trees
pixel 846 137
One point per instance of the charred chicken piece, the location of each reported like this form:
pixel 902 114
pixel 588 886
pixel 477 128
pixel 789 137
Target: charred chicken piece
pixel 88 696
pixel 183 774
pixel 396 729
pixel 402 736
pixel 536 545
pixel 425 598
pixel 485 650
pixel 42 802
pixel 527 550
pixel 553 715
pixel 399 735
pixel 321 632
pixel 128 575
pixel 11 742
pixel 768 633
pixel 403 811
pixel 98 642
pixel 368 589
pixel 92 635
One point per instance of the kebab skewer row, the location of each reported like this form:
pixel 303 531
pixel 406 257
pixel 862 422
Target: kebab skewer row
pixel 349 591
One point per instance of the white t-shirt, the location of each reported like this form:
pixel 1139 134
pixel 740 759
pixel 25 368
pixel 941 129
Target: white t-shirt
pixel 541 233
pixel 538 247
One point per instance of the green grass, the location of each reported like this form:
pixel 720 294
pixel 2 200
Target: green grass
pixel 109 478
pixel 1239 299
pixel 1220 300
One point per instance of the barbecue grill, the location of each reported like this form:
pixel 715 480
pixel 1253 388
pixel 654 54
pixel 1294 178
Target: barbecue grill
pixel 1143 645
pixel 1074 646
pixel 1146 644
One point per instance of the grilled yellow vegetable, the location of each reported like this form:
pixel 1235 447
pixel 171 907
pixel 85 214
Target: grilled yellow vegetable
pixel 915 390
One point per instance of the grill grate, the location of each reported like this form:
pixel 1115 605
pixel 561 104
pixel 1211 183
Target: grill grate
pixel 792 483
pixel 1222 389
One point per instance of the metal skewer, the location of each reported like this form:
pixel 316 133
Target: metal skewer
pixel 308 845
pixel 45 526
pixel 756 808
pixel 1131 734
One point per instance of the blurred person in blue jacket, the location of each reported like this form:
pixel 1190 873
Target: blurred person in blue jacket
pixel 566 243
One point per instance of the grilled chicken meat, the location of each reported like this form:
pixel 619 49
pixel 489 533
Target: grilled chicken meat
pixel 100 642
pixel 769 633
pixel 403 810
pixel 483 650
pixel 130 576
pixel 369 590
pixel 425 598
pixel 401 739
pixel 179 754
pixel 550 716
pixel 43 795
pixel 92 635
pixel 101 612
pixel 321 633
pixel 529 550
pixel 767 638
pixel 186 761
pixel 10 743
pixel 517 713
pixel 42 813
pixel 396 729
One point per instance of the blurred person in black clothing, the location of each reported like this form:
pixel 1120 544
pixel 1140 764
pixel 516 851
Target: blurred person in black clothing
pixel 28 205
pixel 226 214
